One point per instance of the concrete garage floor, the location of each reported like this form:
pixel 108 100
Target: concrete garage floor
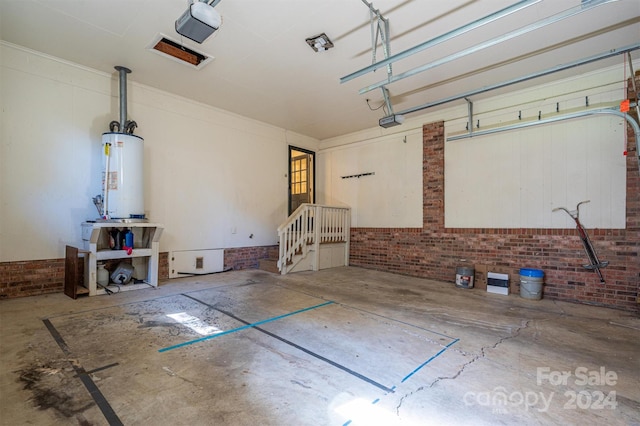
pixel 336 347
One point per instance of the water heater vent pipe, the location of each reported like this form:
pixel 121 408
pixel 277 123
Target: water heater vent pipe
pixel 123 71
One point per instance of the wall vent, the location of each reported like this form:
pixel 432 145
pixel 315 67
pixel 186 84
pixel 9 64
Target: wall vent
pixel 173 50
pixel 195 262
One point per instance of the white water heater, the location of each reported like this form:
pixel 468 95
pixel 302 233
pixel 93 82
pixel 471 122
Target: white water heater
pixel 122 175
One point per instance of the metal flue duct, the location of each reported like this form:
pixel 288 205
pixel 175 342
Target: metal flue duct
pixel 123 125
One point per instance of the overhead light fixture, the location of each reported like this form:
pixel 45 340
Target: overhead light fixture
pixel 320 42
pixel 391 120
pixel 199 21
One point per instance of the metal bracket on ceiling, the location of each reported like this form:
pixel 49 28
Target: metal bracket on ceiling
pixel 387 100
pixel 379 28
pixel 447 36
pixel 585 6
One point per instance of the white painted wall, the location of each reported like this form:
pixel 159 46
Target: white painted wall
pixel 208 172
pixel 392 197
pixel 516 179
pixel 510 179
pixel 212 178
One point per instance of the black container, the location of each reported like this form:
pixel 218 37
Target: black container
pixel 116 239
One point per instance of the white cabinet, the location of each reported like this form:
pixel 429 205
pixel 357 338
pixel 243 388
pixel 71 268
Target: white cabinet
pixel 144 256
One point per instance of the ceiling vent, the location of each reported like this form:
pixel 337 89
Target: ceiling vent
pixel 173 50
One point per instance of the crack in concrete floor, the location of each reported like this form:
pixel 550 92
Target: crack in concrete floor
pixel 524 324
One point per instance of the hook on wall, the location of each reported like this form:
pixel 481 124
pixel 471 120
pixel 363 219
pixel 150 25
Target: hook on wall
pixel 359 175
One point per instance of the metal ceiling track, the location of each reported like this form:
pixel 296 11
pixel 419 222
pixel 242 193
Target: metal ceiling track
pixel 583 7
pixel 612 111
pixel 562 67
pixel 580 114
pixel 442 38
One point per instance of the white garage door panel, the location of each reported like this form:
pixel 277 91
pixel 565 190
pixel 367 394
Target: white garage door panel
pixel 514 179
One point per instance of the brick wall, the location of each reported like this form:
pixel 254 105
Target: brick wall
pixel 247 257
pixel 163 265
pixel 28 278
pixel 434 251
pixel 33 277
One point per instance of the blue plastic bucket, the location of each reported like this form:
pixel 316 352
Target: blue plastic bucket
pixel 531 281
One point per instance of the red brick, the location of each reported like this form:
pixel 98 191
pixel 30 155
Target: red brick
pixel 434 251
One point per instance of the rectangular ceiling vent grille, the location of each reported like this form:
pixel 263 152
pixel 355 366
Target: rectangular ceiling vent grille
pixel 173 50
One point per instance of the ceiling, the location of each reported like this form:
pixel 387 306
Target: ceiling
pixel 264 69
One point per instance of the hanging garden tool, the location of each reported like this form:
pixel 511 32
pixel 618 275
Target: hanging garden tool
pixel 586 242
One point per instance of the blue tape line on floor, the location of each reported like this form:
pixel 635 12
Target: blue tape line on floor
pixel 375 401
pixel 244 327
pixel 429 360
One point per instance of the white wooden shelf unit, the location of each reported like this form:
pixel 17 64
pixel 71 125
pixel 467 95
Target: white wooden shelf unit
pixel 144 256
